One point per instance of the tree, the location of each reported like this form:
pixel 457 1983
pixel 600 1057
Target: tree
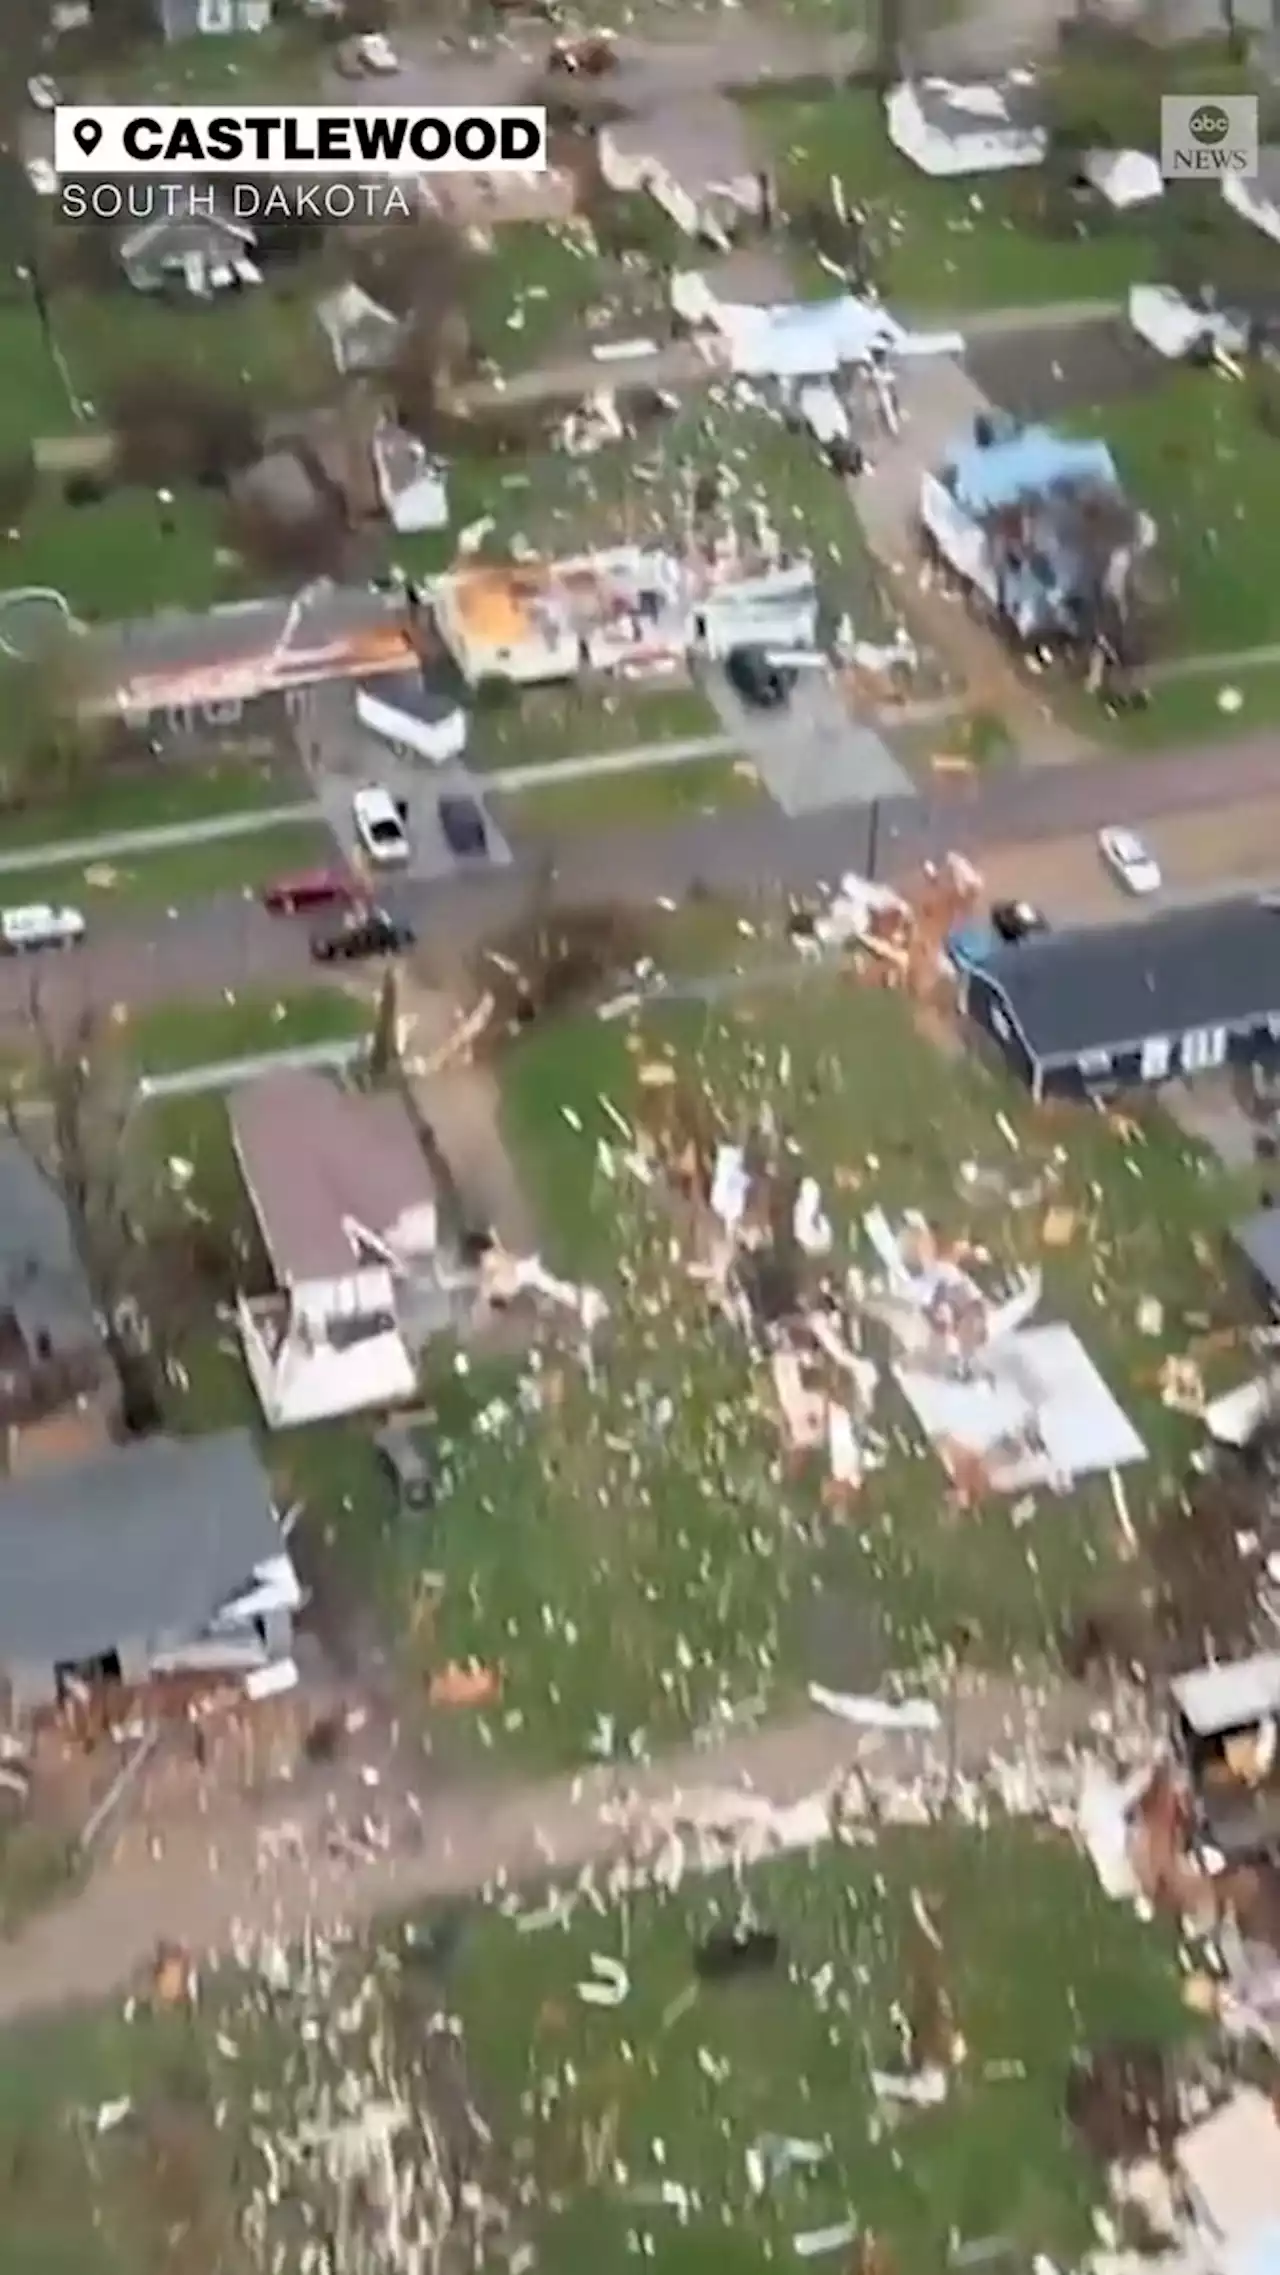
pixel 293 546
pixel 384 1049
pixel 175 424
pixel 53 743
pixel 73 1124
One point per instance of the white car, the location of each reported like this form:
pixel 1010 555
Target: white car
pixel 380 827
pixel 42 177
pixel 40 927
pixel 376 53
pixel 1130 861
pixel 43 93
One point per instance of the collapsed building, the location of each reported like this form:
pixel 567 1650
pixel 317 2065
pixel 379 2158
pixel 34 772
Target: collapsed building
pixel 628 610
pixel 1037 526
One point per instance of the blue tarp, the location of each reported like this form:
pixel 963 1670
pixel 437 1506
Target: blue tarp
pixel 986 477
pixel 969 946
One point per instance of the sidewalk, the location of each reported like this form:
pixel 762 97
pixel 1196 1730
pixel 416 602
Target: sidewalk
pixel 275 1877
pixel 117 843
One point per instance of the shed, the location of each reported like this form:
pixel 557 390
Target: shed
pixel 950 127
pixel 1121 1006
pixel 410 714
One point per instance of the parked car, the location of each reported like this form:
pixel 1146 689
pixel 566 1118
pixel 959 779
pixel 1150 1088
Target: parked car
pixel 406 1465
pixel 311 888
pixel 40 926
pixel 380 826
pixel 365 932
pixel 1131 863
pixel 377 54
pixel 462 824
pixel 1017 920
pixel 754 676
pixel 42 177
pixel 588 55
pixel 43 93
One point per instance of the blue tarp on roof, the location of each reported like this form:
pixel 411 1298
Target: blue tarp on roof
pixel 985 477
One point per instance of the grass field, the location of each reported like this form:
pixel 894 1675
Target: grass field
pixel 595 2113
pixel 643 794
pixel 651 1501
pixel 181 874
pixel 1192 455
pixel 175 794
pixel 951 246
pixel 1190 711
pixel 179 1035
pixel 536 726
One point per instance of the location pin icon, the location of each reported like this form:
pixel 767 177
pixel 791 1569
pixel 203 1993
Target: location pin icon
pixel 88 134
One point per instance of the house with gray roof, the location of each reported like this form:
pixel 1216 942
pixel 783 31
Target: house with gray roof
pixel 158 1556
pixel 51 1353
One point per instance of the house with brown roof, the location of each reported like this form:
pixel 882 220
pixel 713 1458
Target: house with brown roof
pixel 696 159
pixel 346 1204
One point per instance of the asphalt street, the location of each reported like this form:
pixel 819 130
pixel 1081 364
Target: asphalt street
pixel 229 944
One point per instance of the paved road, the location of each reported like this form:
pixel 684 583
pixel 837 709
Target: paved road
pixel 232 944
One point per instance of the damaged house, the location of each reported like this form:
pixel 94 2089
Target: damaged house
pixel 1038 524
pixel 346 1205
pixel 695 160
pixel 164 1556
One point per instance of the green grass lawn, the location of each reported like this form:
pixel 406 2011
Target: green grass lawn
pixel 543 724
pixel 184 873
pixel 653 1503
pixel 34 400
pixel 165 799
pixel 1193 455
pixel 1189 711
pixel 593 2111
pixel 126 556
pixel 947 245
pixel 646 794
pixel 280 64
pixel 179 1035
pixel 536 293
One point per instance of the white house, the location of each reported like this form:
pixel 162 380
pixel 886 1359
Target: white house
pixel 1257 199
pixel 950 127
pixel 412 485
pixel 695 159
pixel 346 1206
pixel 411 716
pixel 192 19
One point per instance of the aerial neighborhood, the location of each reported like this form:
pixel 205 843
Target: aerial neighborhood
pixel 639 1106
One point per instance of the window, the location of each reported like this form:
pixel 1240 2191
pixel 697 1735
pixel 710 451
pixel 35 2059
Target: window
pixel 1203 1048
pixel 1094 1062
pixel 1157 1052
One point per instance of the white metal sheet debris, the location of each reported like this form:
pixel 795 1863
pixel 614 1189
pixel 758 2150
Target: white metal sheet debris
pixel 1231 2165
pixel 1229 1697
pixel 1233 1418
pixel 1036 1412
pixel 919 1714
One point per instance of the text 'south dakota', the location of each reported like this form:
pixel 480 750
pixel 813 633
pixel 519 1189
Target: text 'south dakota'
pixel 251 203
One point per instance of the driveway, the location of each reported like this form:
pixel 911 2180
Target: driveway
pixel 811 753
pixel 339 754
